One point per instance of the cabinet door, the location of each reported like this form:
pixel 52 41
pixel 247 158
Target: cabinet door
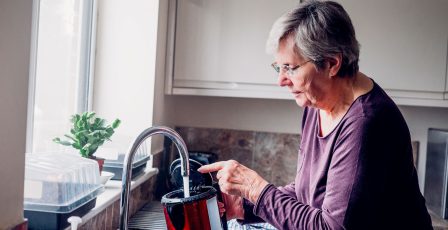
pixel 224 41
pixel 217 47
pixel 403 42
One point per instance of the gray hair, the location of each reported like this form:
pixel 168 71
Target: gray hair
pixel 321 29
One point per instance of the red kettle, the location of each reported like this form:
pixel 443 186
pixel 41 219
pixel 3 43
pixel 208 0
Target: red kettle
pixel 200 210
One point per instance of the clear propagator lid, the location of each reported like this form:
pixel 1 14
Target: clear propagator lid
pixel 59 182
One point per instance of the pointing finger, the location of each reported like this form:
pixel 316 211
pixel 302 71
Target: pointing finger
pixel 212 167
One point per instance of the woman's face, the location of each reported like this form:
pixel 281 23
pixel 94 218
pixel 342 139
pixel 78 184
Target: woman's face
pixel 308 85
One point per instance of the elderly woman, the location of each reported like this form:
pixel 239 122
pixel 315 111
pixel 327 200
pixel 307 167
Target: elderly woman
pixel 357 169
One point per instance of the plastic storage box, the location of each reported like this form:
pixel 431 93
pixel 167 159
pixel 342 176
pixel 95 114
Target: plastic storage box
pixel 115 161
pixel 116 166
pixel 57 186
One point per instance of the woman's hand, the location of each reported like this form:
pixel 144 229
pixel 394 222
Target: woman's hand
pixel 236 179
pixel 233 206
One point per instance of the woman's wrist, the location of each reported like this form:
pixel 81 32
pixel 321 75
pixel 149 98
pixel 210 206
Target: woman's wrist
pixel 255 190
pixel 240 211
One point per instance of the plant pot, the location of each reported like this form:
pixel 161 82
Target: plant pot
pixel 100 162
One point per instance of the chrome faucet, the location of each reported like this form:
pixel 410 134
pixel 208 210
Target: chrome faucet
pixel 127 172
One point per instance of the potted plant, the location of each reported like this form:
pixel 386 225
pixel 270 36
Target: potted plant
pixel 87 134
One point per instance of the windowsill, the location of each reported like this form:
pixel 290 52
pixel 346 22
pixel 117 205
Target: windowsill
pixel 112 193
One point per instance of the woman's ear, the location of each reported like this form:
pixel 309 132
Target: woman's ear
pixel 335 63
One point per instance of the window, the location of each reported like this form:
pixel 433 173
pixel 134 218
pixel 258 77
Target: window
pixel 62 65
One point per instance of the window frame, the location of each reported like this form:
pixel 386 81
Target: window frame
pixel 87 63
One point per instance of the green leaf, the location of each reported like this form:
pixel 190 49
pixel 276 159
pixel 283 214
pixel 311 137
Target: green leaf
pixel 86 146
pixel 66 143
pixel 79 124
pixel 116 123
pixel 75 118
pixel 89 114
pixel 83 152
pixel 101 123
pixel 110 131
pixel 70 137
pixel 96 132
pixel 76 145
pixel 96 123
pixel 92 149
pixel 81 133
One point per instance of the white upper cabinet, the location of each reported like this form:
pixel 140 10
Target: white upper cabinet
pixel 217 47
pixel 403 45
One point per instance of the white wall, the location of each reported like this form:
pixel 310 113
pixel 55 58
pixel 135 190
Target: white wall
pixel 125 65
pixel 15 30
pixel 160 102
pixel 235 113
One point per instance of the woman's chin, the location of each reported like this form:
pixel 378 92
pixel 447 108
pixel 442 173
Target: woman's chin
pixel 302 102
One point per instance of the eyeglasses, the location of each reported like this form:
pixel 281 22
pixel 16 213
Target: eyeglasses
pixel 290 71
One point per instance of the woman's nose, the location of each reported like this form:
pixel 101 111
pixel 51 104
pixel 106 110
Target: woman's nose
pixel 283 80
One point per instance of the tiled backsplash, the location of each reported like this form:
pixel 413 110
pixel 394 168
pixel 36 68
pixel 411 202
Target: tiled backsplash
pixel 272 155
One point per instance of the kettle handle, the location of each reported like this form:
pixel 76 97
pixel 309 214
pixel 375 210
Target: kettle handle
pixel 219 196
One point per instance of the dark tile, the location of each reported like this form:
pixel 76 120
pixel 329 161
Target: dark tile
pixel 96 222
pixel 227 144
pixel 285 167
pixel 109 217
pixel 150 189
pixel 101 220
pixel 275 156
pixel 116 214
pixel 157 160
pixel 132 201
pixel 84 227
pixel 91 224
pixel 243 156
pixel 264 154
pixel 183 132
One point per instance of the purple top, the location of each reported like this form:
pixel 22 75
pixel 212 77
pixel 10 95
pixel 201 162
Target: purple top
pixel 359 176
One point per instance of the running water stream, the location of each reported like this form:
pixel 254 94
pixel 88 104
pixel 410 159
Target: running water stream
pixel 186 186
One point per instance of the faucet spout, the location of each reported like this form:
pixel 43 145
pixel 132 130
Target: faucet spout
pixel 127 171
